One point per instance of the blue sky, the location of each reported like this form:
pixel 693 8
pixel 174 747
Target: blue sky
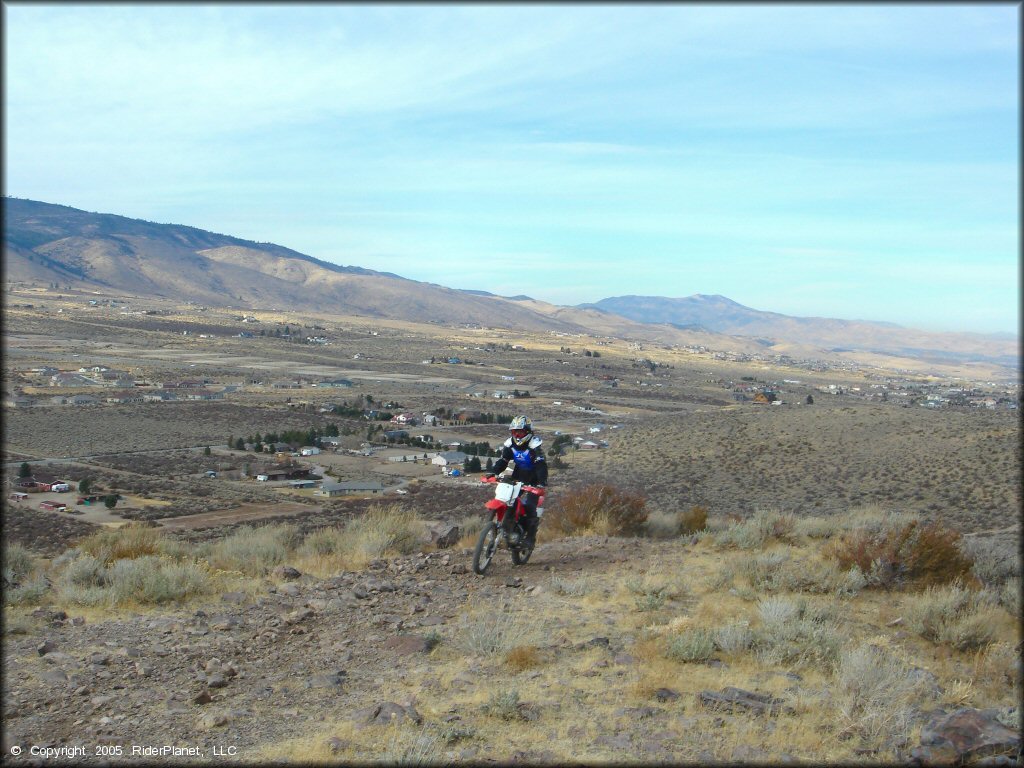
pixel 852 161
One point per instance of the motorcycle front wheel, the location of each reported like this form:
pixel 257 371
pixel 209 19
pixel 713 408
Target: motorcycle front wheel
pixel 485 546
pixel 521 554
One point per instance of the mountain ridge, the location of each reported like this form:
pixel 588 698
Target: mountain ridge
pixel 47 243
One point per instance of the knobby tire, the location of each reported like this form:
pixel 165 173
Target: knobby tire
pixel 485 546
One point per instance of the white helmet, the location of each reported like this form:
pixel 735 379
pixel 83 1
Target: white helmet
pixel 522 431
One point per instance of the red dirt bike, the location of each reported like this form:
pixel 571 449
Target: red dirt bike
pixel 505 525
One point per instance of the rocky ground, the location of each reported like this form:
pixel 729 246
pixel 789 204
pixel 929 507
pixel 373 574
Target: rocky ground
pixel 298 667
pixel 247 670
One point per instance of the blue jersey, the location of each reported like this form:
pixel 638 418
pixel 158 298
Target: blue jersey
pixel 529 464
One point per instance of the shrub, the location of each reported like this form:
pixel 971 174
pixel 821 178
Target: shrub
pixel 384 528
pixel 523 657
pixel 83 571
pixel 733 638
pixel 693 520
pixel 757 530
pixel 151 580
pixel 951 615
pixel 653 592
pixel 18 564
pixel 504 705
pixel 491 633
pixel 597 508
pixel 1009 596
pixel 913 553
pixel 995 560
pixel 29 592
pixel 875 694
pixel 253 550
pixel 792 633
pixel 577 587
pixel 412 746
pixel 124 543
pixel 662 525
pixel 692 644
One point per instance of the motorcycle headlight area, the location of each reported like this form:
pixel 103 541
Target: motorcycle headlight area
pixel 506 491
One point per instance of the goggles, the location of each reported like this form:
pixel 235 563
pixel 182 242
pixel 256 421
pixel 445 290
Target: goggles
pixel 519 433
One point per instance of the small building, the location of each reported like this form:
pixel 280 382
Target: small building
pixel 18 497
pixel 309 450
pixel 449 458
pixel 53 506
pixel 300 484
pixel 350 487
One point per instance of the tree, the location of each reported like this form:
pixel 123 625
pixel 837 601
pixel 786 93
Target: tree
pixel 110 501
pixel 810 400
pixel 239 444
pixel 474 464
pixel 206 451
pixel 25 470
pixel 84 485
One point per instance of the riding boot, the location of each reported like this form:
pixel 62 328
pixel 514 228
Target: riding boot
pixel 531 531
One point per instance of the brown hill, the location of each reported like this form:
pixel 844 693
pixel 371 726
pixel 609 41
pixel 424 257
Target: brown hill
pixel 46 244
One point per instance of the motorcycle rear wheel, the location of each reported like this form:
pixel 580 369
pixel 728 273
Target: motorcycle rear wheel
pixel 485 547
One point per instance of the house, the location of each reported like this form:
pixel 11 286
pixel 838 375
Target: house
pixel 72 380
pixel 343 489
pixel 429 420
pixel 300 484
pixel 74 400
pixel 160 396
pixel 275 474
pixel 405 418
pixel 396 434
pixel 588 445
pixel 126 396
pixel 335 383
pixel 449 458
pixel 309 450
pixel 53 506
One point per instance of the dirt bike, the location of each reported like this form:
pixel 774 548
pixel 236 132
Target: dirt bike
pixel 506 524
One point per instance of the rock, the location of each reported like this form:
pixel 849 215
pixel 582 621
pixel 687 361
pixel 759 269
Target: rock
pixel 330 680
pixel 225 623
pixel 458 569
pixel 235 598
pixel 730 699
pixel 966 736
pixel 203 697
pixel 289 590
pixel 216 680
pixel 666 694
pixel 406 645
pixel 300 615
pixel 385 714
pixel 213 720
pixel 45 647
pixel 336 744
pixel 448 538
pixel 286 572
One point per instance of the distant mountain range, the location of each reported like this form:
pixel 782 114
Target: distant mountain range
pixel 718 314
pixel 46 244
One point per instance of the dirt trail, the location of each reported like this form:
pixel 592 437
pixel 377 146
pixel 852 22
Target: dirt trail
pixel 241 514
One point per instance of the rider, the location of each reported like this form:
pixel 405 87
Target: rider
pixel 523 448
